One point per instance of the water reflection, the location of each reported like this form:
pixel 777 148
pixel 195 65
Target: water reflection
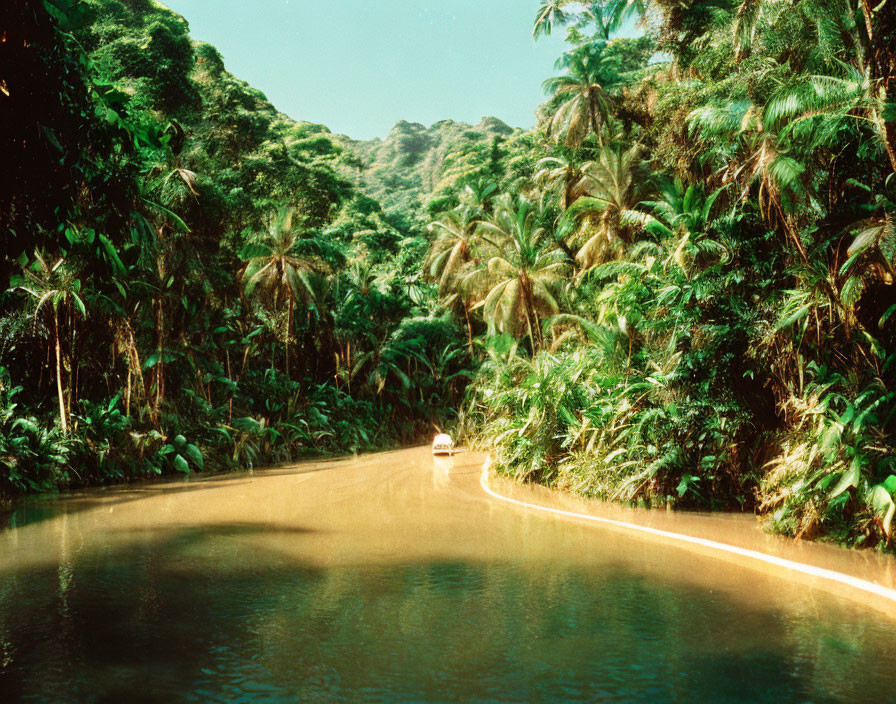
pixel 441 470
pixel 392 580
pixel 147 622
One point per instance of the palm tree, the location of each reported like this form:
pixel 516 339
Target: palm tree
pixel 523 272
pixel 608 216
pixel 761 158
pixel 563 177
pixel 847 93
pixel 57 285
pixel 749 15
pixel 872 253
pixel 585 104
pixel 453 250
pixel 683 215
pixel 549 15
pixel 277 270
pixel 606 16
pixel 855 83
pixel 166 189
pixel 477 196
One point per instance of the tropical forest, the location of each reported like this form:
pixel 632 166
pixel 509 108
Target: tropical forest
pixel 442 351
pixel 675 291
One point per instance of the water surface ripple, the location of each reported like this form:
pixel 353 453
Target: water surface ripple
pixel 392 578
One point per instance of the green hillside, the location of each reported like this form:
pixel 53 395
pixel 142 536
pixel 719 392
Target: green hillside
pixel 415 163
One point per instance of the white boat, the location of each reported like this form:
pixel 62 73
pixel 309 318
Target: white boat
pixel 443 445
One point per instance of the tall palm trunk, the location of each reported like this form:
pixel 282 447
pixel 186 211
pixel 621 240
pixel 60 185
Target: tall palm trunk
pixel 890 141
pixel 162 269
pixel 469 327
pixel 160 364
pixel 594 111
pixel 531 313
pixel 568 184
pixel 135 367
pixel 289 326
pixel 887 132
pixel 127 395
pixel 230 379
pixel 62 412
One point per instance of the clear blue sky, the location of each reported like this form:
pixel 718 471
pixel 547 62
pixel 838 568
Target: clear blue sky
pixel 359 66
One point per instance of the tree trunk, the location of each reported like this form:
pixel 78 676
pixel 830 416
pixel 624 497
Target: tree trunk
pixel 469 327
pixel 876 57
pixel 531 314
pixel 62 414
pixel 567 250
pixel 230 400
pixel 74 367
pixel 289 323
pixel 890 141
pixel 888 136
pixel 160 364
pixel 135 365
pixel 127 395
pixel 595 123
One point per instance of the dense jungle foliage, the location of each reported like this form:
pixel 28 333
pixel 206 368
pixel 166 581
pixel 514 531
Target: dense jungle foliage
pixel 689 294
pixel 192 279
pixel 676 290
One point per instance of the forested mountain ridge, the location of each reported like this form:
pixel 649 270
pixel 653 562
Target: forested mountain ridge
pixel 414 164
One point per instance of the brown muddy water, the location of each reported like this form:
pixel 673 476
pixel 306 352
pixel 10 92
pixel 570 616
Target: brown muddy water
pixel 395 578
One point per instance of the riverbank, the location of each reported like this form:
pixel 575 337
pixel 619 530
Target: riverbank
pixel 866 576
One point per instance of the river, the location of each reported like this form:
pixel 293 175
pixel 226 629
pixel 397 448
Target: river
pixel 395 578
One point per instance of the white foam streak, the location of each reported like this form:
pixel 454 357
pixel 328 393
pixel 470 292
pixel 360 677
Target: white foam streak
pixel 821 573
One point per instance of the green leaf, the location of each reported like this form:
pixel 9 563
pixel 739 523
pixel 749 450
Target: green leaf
pixel 685 484
pixel 112 256
pixel 882 502
pixel 26 424
pixel 849 479
pixel 890 484
pixel 880 499
pixel 179 440
pixel 194 454
pixel 886 316
pixel 794 317
pixel 79 304
pixel 51 138
pixel 173 217
pixel 181 465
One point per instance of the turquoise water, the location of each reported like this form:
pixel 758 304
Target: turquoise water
pixel 137 628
